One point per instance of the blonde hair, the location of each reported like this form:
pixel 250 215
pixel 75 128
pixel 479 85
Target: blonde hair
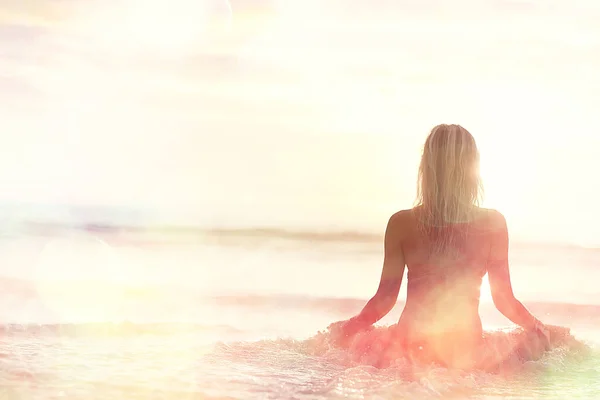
pixel 449 186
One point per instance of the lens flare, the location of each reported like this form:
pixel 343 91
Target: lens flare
pixel 79 279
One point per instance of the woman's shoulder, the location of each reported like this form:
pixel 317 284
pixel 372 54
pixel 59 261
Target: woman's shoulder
pixel 491 218
pixel 404 216
pixel 491 214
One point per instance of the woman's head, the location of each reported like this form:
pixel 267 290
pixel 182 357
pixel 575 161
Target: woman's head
pixel 449 184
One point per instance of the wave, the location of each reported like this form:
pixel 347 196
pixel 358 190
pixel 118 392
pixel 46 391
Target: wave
pixel 365 367
pixel 114 329
pixel 502 349
pixel 315 368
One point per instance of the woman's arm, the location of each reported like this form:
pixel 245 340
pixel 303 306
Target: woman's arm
pixel 499 278
pixel 391 279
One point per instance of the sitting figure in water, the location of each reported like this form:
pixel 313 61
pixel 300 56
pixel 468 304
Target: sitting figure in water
pixel 448 244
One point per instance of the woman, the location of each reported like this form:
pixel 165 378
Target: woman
pixel 448 244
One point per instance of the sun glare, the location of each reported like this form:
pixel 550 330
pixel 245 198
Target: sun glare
pixel 486 294
pixel 504 176
pixel 158 26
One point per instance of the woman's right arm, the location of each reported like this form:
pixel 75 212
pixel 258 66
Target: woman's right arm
pixel 499 277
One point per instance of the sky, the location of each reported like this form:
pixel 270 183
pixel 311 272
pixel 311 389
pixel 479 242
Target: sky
pixel 302 114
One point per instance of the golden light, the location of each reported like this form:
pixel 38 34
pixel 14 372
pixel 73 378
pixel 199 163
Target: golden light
pixel 157 26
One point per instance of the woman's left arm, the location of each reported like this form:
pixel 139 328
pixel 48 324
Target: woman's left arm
pixel 391 279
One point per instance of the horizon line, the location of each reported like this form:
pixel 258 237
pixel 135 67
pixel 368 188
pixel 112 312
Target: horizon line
pixel 327 234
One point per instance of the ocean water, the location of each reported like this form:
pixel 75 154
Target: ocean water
pixel 243 315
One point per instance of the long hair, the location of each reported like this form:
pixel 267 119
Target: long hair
pixel 449 185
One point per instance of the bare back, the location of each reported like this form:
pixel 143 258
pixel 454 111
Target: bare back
pixel 444 288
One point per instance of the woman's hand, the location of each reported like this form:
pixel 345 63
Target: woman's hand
pixel 336 328
pixel 345 329
pixel 543 332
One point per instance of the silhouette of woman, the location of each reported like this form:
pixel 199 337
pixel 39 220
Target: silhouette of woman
pixel 448 244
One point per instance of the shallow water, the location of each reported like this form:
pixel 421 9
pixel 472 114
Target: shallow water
pixel 88 317
pixel 167 361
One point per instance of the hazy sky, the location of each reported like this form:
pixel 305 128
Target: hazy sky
pixel 300 113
